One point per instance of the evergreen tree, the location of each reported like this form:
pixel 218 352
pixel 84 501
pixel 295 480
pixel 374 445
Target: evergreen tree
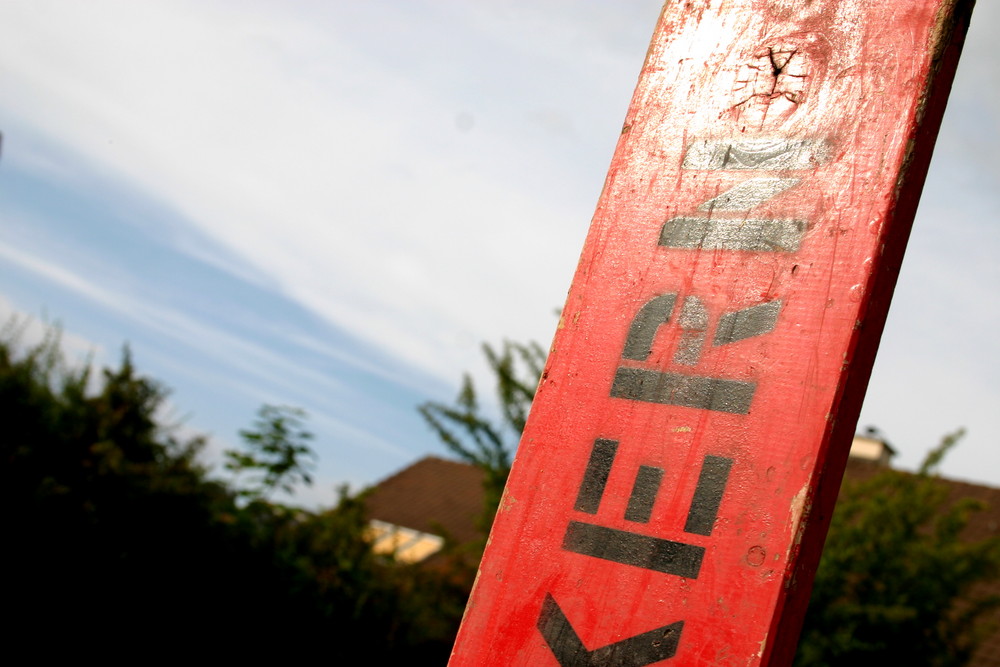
pixel 895 582
pixel 117 539
pixel 484 441
pixel 276 456
pixel 896 578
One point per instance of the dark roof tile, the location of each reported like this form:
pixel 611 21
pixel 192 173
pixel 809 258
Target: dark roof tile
pixel 433 495
pixel 445 498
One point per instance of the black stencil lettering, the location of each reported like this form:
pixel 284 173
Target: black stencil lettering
pixel 647 322
pixel 636 651
pixel 733 234
pixel 602 456
pixel 708 495
pixel 693 322
pixel 746 323
pixel 644 490
pixel 705 393
pixel 651 553
pixel 757 154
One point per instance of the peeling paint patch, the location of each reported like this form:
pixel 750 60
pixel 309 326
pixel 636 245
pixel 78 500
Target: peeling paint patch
pixel 763 645
pixel 507 503
pixel 799 509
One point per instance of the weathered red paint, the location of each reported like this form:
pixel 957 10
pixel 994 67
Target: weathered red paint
pixel 844 96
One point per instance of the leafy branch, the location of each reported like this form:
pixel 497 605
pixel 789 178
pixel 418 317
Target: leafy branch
pixel 276 456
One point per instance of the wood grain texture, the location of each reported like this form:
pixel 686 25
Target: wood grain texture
pixel 674 483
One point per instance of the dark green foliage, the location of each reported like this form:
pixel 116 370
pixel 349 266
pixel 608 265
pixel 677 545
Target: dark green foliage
pixel 116 538
pixel 278 457
pixel 480 440
pixel 92 494
pixel 894 583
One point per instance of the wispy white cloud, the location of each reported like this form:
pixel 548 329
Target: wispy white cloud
pixel 59 275
pixel 239 368
pixel 341 177
pixel 420 175
pixel 27 330
pixel 236 353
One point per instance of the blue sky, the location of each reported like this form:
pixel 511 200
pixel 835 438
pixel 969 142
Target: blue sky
pixel 332 204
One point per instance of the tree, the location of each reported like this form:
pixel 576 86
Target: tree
pixel 894 585
pixel 485 442
pixel 277 456
pixel 110 521
pixel 117 539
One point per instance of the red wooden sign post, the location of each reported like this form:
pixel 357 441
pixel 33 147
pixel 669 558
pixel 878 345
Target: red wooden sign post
pixel 674 483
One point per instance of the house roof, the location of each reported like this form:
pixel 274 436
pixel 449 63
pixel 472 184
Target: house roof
pixel 433 495
pixel 443 497
pixel 982 525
